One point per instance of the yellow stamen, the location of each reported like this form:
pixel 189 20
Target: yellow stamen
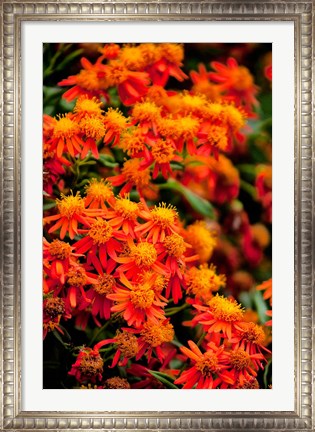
pixel 116 383
pixel 174 245
pixel 91 80
pixel 224 309
pixel 202 239
pixel 76 276
pixel 99 189
pixel 127 343
pixel 126 208
pixel 88 106
pixel 93 127
pixel 70 205
pixel 54 306
pixel 132 142
pixel 144 254
pixel 203 281
pixel 142 296
pixel 208 364
pixel 164 215
pixel 240 359
pixel 60 249
pixel 146 111
pixel 100 231
pixel 156 334
pixel 105 284
pixel 65 127
pixel 91 365
pixel 133 173
pixel 162 151
pixel 115 120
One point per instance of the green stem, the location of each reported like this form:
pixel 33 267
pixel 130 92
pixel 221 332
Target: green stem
pixel 104 327
pixel 247 187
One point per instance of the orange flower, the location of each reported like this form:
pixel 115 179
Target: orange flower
pixel 236 81
pixel 98 193
pixel 221 316
pixel 88 366
pixel 138 302
pixel 59 256
pixel 152 337
pixel 66 133
pixel 208 371
pixel 162 220
pixel 71 212
pixel 102 241
pixel 133 176
pixel 126 344
pixel 131 85
pixel 123 215
pixel 92 81
pixel 250 337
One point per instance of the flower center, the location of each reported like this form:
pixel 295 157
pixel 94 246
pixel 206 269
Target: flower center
pixel 93 127
pixel 105 284
pixel 203 281
pixel 70 205
pixel 91 80
pixel 100 232
pixel 142 296
pixel 253 333
pixel 208 364
pixel 242 78
pixel 54 306
pixel 91 365
pixel 60 249
pixel 127 343
pixel 164 215
pixel 65 128
pixel 201 239
pixel 146 111
pixel 217 137
pixel 126 208
pixel 117 383
pixel 250 383
pixel 144 254
pixel 115 120
pixel 132 142
pixel 156 334
pixel 133 173
pixel 99 189
pixel 172 52
pixel 76 276
pixel 174 245
pixel 162 151
pixel 89 106
pixel 224 309
pixel 239 359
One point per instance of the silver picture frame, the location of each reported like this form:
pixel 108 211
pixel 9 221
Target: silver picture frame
pixel 13 13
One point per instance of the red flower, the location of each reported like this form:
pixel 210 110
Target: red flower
pixel 208 371
pixel 88 366
pixel 138 302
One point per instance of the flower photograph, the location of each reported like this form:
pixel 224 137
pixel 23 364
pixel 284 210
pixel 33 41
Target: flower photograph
pixel 157 216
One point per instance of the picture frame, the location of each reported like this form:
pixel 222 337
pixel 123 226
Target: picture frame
pixel 13 14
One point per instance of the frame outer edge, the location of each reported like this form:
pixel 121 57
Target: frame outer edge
pixel 9 192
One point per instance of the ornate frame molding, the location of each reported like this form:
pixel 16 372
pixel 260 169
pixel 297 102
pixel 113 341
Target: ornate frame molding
pixel 12 14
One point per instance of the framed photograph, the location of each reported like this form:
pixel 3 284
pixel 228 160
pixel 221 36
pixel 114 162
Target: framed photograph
pixel 156 249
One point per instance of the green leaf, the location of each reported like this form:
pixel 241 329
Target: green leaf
pixel 164 379
pixel 107 161
pixel 199 204
pixel 261 306
pixel 49 205
pixel 68 59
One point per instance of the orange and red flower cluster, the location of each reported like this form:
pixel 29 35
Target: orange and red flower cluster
pixel 147 243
